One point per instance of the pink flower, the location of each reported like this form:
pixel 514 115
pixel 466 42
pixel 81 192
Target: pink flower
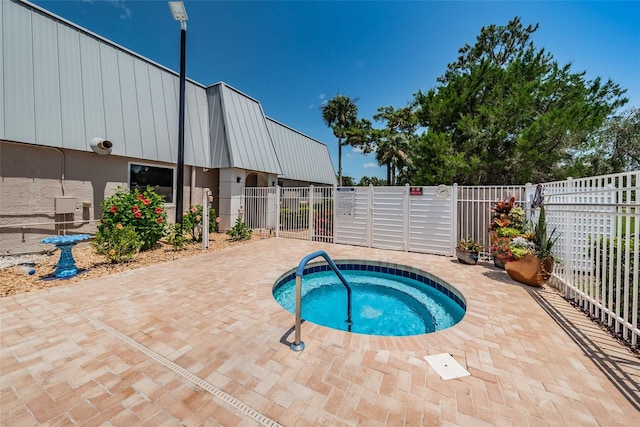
pixel 135 208
pixel 113 209
pixel 158 210
pixel 198 217
pixel 218 219
pixel 137 215
pixel 140 197
pixel 159 220
pixel 194 209
pixel 146 201
pixel 119 226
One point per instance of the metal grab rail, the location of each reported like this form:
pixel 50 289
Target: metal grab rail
pixel 298 345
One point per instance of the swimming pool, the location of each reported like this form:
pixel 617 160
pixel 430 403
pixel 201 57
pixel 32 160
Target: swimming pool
pixel 388 299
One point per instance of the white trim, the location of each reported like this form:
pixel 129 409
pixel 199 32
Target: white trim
pixel 156 165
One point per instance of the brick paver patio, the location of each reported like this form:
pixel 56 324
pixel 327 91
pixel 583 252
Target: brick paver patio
pixel 201 341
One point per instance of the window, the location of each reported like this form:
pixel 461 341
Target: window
pixel 156 177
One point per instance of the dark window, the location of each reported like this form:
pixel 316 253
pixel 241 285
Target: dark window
pixel 158 178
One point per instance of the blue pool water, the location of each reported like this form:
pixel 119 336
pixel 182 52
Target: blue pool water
pixel 382 303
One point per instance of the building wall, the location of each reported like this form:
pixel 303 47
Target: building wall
pixel 31 178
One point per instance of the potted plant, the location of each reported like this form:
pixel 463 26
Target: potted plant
pixel 501 251
pixel 507 220
pixel 467 251
pixel 532 258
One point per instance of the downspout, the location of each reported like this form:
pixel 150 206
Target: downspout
pixel 192 190
pixel 51 148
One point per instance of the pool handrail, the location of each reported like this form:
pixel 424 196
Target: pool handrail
pixel 298 345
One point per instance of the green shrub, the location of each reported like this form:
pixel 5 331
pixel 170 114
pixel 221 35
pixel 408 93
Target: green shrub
pixel 606 259
pixel 240 231
pixel 144 212
pixel 175 237
pixel 117 244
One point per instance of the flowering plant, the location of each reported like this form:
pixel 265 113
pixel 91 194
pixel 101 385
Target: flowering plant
pixel 120 244
pixel 144 212
pixel 192 222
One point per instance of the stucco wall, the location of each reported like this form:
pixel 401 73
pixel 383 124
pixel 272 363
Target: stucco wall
pixel 31 179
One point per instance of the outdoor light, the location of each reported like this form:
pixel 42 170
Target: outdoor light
pixel 180 14
pixel 178 11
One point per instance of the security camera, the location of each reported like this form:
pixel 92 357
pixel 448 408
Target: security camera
pixel 101 146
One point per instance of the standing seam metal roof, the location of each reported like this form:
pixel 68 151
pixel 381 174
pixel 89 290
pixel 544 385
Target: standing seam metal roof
pixel 302 157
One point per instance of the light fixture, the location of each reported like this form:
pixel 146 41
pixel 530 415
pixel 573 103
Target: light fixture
pixel 180 14
pixel 238 179
pixel 178 11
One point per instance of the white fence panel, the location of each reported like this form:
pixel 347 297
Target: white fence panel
pixel 598 221
pixel 432 220
pixel 321 213
pixel 389 207
pixel 260 208
pixel 353 216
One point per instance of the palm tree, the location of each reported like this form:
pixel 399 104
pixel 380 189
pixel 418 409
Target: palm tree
pixel 392 152
pixel 340 113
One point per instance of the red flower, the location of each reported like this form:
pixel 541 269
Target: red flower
pixel 146 201
pixel 140 197
pixel 137 215
pixel 113 209
pixel 159 220
pixel 135 208
pixel 158 210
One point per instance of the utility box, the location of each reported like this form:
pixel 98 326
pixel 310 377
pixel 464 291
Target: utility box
pixel 65 205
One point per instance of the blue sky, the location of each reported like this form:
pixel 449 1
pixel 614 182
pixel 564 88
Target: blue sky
pixel 294 55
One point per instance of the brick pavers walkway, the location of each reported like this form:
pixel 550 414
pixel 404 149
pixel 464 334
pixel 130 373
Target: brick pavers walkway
pixel 199 341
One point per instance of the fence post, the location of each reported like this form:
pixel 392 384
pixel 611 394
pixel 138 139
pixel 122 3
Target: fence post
pixel 205 218
pixel 278 195
pixel 310 204
pixel 454 218
pixel 370 192
pixel 405 218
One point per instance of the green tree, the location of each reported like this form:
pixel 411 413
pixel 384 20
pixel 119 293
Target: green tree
pixel 340 113
pixel 614 148
pixel 394 142
pixel 371 180
pixel 348 181
pixel 507 113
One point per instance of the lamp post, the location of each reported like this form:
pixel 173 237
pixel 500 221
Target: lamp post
pixel 180 14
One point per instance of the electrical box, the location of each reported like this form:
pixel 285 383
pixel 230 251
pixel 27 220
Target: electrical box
pixel 65 205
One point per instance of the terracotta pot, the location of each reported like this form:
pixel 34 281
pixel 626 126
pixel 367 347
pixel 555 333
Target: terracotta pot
pixel 530 270
pixel 467 257
pixel 498 262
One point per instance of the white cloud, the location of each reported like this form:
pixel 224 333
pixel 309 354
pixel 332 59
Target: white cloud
pixel 321 96
pixel 324 102
pixel 310 106
pixel 357 150
pixel 370 165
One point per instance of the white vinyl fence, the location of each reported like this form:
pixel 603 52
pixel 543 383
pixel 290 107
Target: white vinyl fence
pixel 416 219
pixel 598 223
